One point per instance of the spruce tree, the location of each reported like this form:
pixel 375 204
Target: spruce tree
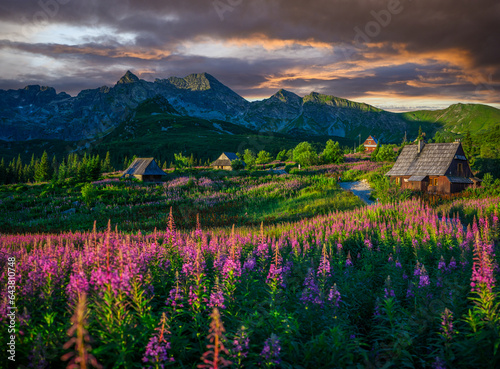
pixel 43 168
pixel 106 165
pixel 3 172
pixel 53 167
pixel 19 169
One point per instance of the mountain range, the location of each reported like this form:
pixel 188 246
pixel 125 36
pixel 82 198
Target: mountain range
pixel 37 112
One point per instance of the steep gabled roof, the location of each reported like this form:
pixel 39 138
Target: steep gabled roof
pixel 373 138
pixel 231 155
pixel 225 159
pixel 433 160
pixel 145 167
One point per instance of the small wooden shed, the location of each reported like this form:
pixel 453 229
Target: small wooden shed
pixel 145 169
pixel 225 161
pixel 440 168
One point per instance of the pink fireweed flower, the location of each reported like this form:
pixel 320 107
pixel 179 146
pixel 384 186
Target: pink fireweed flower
pixel 217 296
pixel 231 269
pixel 482 268
pixel 176 295
pixel 276 275
pixel 447 325
pixel 324 268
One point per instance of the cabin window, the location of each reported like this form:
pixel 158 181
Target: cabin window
pixel 398 181
pixel 460 167
pixel 434 182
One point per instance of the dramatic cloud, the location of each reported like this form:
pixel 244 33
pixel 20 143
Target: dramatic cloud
pixel 390 53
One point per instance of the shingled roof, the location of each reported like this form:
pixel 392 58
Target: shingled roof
pixel 433 160
pixel 144 167
pixel 225 159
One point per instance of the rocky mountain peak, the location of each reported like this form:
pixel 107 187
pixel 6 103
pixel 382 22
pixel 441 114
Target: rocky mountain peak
pixel 195 82
pixel 286 96
pixel 128 77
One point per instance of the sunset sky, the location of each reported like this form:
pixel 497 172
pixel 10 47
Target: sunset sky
pixel 398 55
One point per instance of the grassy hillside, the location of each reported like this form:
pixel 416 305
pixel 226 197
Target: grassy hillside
pixel 459 118
pixel 154 131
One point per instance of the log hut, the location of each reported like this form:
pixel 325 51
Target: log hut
pixel 438 168
pixel 145 169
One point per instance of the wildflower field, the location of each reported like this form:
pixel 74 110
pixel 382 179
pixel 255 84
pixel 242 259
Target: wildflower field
pixel 390 285
pixel 218 198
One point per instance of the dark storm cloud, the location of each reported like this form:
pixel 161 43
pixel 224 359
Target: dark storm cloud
pixel 465 32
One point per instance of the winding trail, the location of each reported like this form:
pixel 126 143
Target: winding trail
pixel 360 189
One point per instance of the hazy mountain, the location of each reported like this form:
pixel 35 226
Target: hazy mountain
pixel 40 113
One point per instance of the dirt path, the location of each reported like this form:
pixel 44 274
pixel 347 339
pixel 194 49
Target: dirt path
pixel 360 189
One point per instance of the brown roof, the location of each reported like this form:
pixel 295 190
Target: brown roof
pixel 225 159
pixel 145 167
pixel 433 160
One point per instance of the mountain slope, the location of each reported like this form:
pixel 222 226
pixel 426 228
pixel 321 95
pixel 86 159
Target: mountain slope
pixel 40 113
pixel 458 118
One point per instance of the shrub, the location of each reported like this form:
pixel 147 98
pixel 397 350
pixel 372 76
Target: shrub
pixel 305 155
pixel 89 193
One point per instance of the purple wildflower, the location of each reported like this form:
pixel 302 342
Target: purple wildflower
pixel 311 293
pixel 334 296
pixel 424 278
pixel 271 350
pixel 439 363
pixel 442 264
pixel 240 344
pixel 249 264
pixel 156 353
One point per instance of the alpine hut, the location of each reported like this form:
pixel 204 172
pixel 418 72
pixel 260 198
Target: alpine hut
pixel 370 144
pixel 225 161
pixel 145 169
pixel 440 168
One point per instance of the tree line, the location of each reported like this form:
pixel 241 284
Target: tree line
pixel 80 169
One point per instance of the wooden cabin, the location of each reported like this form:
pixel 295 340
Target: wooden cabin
pixel 440 168
pixel 225 161
pixel 145 169
pixel 370 144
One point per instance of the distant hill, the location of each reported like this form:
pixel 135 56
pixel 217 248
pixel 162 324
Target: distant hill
pixel 40 113
pixel 459 118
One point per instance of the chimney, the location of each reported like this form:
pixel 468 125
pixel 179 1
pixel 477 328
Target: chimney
pixel 420 146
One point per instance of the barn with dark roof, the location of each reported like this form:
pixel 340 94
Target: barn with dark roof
pixel 436 168
pixel 145 169
pixel 225 161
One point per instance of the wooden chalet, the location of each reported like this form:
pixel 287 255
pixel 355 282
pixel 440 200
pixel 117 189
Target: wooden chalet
pixel 145 169
pixel 370 144
pixel 225 161
pixel 440 168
